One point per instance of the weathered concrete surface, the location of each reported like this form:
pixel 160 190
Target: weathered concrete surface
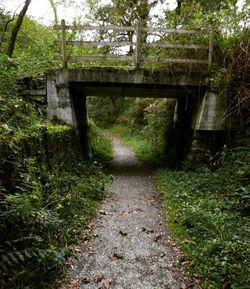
pixel 212 113
pixel 58 99
pixel 128 245
pixel 115 82
pixel 131 76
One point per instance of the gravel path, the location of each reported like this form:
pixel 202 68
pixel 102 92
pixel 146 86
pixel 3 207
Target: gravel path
pixel 127 246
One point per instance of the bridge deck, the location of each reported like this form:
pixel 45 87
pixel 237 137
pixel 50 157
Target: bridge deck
pixel 128 83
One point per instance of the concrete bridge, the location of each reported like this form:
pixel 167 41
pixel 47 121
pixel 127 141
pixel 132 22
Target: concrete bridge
pixel 198 105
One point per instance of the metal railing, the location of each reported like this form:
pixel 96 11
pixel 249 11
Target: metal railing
pixel 139 44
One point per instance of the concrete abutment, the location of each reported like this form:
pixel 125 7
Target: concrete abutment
pixel 199 109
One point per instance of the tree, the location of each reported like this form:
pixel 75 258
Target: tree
pixel 53 5
pixel 5 20
pixel 16 28
pixel 123 13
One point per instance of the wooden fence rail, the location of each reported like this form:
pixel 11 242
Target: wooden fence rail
pixel 138 58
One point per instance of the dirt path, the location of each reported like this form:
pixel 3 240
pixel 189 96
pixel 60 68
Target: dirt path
pixel 128 247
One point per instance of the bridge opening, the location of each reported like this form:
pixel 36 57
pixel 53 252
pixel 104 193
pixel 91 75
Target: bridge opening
pixel 199 107
pixel 113 101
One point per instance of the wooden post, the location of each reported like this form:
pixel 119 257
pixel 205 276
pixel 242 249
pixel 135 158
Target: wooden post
pixel 64 47
pixel 210 48
pixel 138 45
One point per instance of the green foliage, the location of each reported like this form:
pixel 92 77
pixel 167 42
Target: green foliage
pixel 35 49
pixel 8 75
pixel 208 213
pixel 105 110
pixel 46 191
pixel 33 54
pixel 144 126
pixel 16 117
pixel 135 113
pixel 145 150
pixel 101 146
pixel 45 213
pixel 124 13
pixel 159 120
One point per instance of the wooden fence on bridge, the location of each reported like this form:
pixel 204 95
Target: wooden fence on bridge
pixel 139 43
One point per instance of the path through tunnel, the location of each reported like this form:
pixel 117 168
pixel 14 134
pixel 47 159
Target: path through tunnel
pixel 180 132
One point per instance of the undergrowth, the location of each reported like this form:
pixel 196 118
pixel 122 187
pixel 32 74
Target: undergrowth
pixel 208 214
pixel 144 126
pixel 42 218
pixel 144 149
pixel 47 193
pixel 101 145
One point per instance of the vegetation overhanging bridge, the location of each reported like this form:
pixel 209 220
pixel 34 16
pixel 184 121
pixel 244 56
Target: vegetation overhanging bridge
pixel 137 45
pixel 149 75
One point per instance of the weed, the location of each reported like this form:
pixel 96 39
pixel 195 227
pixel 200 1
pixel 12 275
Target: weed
pixel 207 214
pixel 51 192
pixel 144 149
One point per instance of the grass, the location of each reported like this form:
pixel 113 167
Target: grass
pixel 101 145
pixel 144 149
pixel 207 214
pixel 44 215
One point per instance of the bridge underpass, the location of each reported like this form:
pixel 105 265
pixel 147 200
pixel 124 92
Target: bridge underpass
pixel 198 106
pixel 185 98
pixel 67 90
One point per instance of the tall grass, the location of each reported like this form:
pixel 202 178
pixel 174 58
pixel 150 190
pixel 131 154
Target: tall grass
pixel 208 214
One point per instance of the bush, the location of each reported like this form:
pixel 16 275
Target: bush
pixel 208 213
pixel 8 76
pixel 101 146
pixel 45 211
pixel 145 127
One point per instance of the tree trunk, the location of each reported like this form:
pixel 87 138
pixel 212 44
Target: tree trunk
pixel 4 30
pixel 54 8
pixel 16 28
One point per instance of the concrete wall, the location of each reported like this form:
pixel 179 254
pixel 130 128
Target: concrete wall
pixel 210 114
pixel 117 82
pixel 58 98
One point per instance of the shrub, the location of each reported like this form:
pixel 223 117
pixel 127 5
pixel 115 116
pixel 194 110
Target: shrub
pixel 208 214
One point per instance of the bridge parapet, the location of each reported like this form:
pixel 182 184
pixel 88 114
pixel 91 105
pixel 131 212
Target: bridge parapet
pixel 140 47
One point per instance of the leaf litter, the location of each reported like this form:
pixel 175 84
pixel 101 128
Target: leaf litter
pixel 129 246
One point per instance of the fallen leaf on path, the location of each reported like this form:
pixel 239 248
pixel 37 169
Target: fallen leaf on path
pixel 184 286
pixel 78 249
pixel 151 202
pixel 69 261
pixel 123 233
pixel 157 237
pixel 117 255
pixel 139 210
pixel 85 280
pixel 148 231
pixel 73 284
pixel 102 212
pixel 99 277
pixel 104 284
pixel 147 272
pixel 124 213
pixel 86 239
